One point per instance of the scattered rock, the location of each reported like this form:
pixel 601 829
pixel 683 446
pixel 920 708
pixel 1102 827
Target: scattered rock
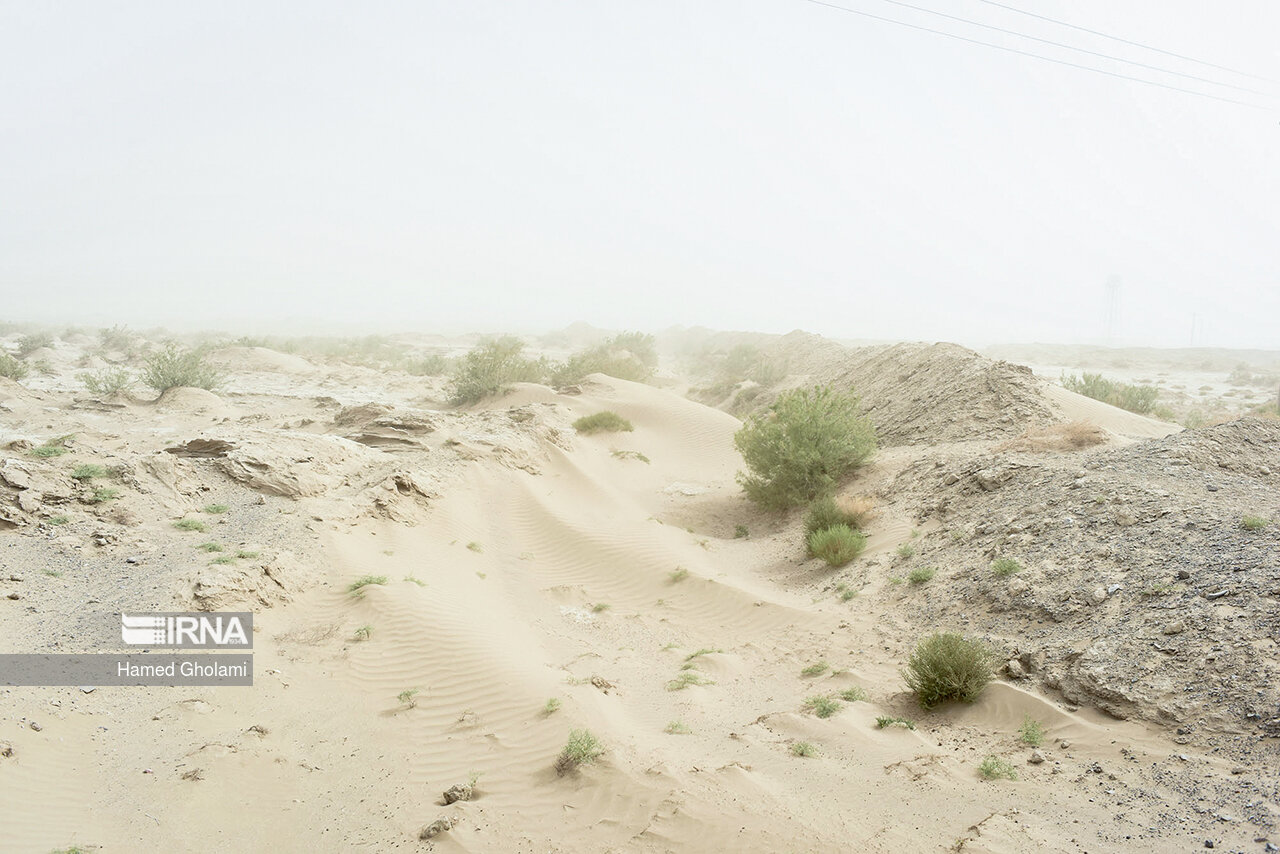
pixel 1036 757
pixel 1177 627
pixel 437 827
pixel 1098 595
pixel 1015 669
pixel 459 792
pixel 6 749
pixel 1064 744
pixel 35 726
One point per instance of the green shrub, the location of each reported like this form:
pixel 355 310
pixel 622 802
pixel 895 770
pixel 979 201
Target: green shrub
pixel 364 581
pixel 433 365
pixel 627 356
pixel 822 706
pixel 107 381
pixel 173 367
pixel 54 447
pixel 685 678
pixel 1253 523
pixel 800 447
pixel 215 509
pixel 816 669
pixel 603 422
pixel 921 574
pixel 88 471
pixel 551 706
pixel 994 768
pixel 14 369
pixel 210 547
pixel 189 525
pixel 887 721
pixel 1003 566
pixel 1031 732
pixel 491 368
pixel 103 494
pixel 906 550
pixel 947 666
pixel 740 532
pixel 1135 398
pixel 28 344
pixel 583 748
pixel 855 694
pixel 837 545
pixel 827 512
pixel 803 749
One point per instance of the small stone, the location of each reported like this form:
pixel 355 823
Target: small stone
pixel 1177 627
pixel 13 596
pixel 1208 843
pixel 15 578
pixel 87 689
pixel 1064 744
pixel 436 828
pixel 6 749
pixel 1036 757
pixel 459 792
pixel 1184 574
pixel 35 726
pixel 1098 595
pixel 1015 669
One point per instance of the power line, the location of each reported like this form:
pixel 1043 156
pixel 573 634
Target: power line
pixel 1079 49
pixel 1126 41
pixel 1035 55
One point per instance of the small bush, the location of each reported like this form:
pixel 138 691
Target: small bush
pixel 740 532
pixel 886 721
pixel 59 520
pixel 1031 732
pixel 800 447
pixel 55 447
pixel 173 367
pixel 837 545
pixel 822 706
pixel 246 555
pixel 14 369
pixel 551 706
pixel 364 633
pixel 678 574
pixel 28 344
pixel 921 574
pixel 827 512
pixel 583 748
pixel 685 678
pixel 677 728
pixel 190 525
pixel 816 669
pixel 475 547
pixel 224 559
pixel 107 381
pixel 215 509
pixel 856 694
pixel 803 749
pixel 103 494
pixel 88 471
pixel 491 368
pixel 995 768
pixel 1005 566
pixel 602 422
pixel 627 356
pixel 409 697
pixel 364 581
pixel 1139 399
pixel 434 365
pixel 947 666
pixel 1253 523
pixel 210 547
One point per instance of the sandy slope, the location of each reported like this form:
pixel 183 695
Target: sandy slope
pixel 337 763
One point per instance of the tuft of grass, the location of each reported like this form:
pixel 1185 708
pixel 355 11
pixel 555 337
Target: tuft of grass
pixel 685 678
pixel 816 669
pixel 1031 732
pixel 906 550
pixel 995 768
pixel 1253 523
pixel 921 574
pixel 1159 588
pixel 88 471
pixel 600 607
pixel 583 748
pixel 409 697
pixel 1003 566
pixel 856 694
pixel 52 573
pixel 210 547
pixel 822 706
pixel 946 666
pixel 59 520
pixel 706 650
pixel 475 547
pixel 364 581
pixel 630 455
pixel 190 525
pixel 215 509
pixel 837 545
pixel 845 592
pixel 55 447
pixel 603 422
pixel 551 706
pixel 103 494
pixel 803 749
pixel 246 555
pixel 364 632
pixel 415 580
pixel 677 728
pixel 225 559
pixel 678 574
pixel 886 721
pixel 740 532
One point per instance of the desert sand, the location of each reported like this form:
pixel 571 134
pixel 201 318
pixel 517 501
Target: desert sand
pixel 525 563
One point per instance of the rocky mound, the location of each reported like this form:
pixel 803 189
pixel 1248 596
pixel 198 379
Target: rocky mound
pixel 1141 589
pixel 919 393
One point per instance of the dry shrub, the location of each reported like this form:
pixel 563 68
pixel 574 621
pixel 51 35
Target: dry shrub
pixel 858 509
pixel 1071 436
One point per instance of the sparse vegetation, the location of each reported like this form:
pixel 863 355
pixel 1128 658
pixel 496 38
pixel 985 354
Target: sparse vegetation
pixel 107 381
pixel 1159 588
pixel 607 421
pixel 827 512
pixel 173 367
pixel 740 532
pixel 409 697
pixel 921 574
pixel 190 525
pixel 822 706
pixel 491 368
pixel 583 748
pixel 685 678
pixel 215 509
pixel 803 749
pixel 59 520
pixel 245 554
pixel 837 545
pixel 678 574
pixel 1253 523
pixel 627 356
pixel 1135 398
pixel 224 559
pixel 364 581
pixel 947 666
pixel 364 632
pixel 88 471
pixel 906 550
pixel 13 368
pixel 706 650
pixel 816 669
pixel 630 455
pixel 1003 566
pixel 54 447
pixel 32 342
pixel 854 694
pixel 413 579
pixel 800 447
pixel 210 547
pixel 551 706
pixel 676 728
pixel 1031 732
pixel 600 607
pixel 887 721
pixel 475 547
pixel 995 768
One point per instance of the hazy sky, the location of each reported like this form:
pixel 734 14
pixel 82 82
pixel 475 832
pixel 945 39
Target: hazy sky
pixel 744 164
